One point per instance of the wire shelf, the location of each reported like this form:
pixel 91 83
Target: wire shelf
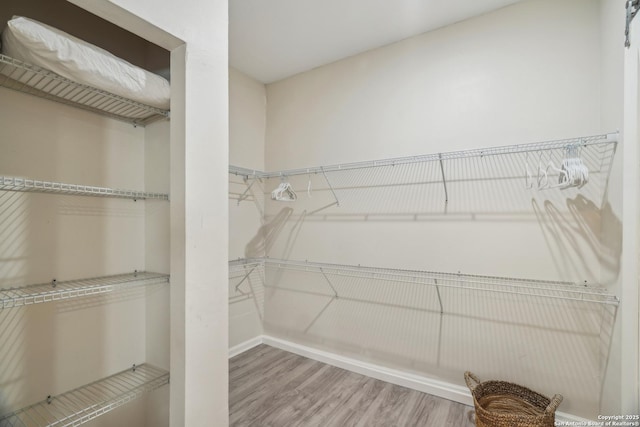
pixel 567 291
pixel 585 141
pixel 241 264
pixel 83 404
pixel 8 183
pixel 26 78
pixel 246 282
pixel 54 290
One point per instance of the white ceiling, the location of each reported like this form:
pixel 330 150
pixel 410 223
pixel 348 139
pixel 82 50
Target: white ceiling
pixel 274 39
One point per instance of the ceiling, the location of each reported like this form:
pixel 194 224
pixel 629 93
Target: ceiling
pixel 274 39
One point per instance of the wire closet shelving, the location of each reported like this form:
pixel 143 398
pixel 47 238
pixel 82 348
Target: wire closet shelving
pixel 8 183
pixel 246 281
pixel 610 138
pixel 488 181
pixel 558 290
pixel 37 81
pixel 85 403
pixel 54 290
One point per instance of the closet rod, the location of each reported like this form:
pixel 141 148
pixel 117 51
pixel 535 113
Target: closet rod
pixel 610 138
pixel 504 285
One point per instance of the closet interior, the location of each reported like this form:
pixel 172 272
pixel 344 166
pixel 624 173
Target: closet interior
pixel 85 224
pixel 445 203
pixel 425 213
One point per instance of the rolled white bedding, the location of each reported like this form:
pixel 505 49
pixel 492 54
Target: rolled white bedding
pixel 47 47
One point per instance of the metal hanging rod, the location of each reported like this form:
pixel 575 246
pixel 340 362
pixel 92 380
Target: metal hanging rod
pixel 55 290
pixel 8 183
pixel 503 285
pixel 27 78
pixel 85 403
pixel 610 138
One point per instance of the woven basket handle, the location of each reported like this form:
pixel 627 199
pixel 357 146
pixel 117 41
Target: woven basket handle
pixel 553 405
pixel 473 382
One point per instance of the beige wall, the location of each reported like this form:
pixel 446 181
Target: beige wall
pixel 55 347
pixel 247 122
pixel 157 250
pixel 612 15
pixel 502 78
pixel 197 35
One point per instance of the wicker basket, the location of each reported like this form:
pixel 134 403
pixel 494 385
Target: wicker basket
pixel 504 404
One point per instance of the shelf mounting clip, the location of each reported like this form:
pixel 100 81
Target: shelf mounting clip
pixel 632 7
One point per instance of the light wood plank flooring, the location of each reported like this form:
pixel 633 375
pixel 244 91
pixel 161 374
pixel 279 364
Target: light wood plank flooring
pixel 271 387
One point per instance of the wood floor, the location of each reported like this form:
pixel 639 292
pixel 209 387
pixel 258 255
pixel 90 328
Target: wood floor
pixel 271 387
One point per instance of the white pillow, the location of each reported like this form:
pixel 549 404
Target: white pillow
pixel 47 47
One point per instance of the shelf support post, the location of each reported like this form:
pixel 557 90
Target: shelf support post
pixel 435 281
pixel 335 293
pixel 244 195
pixel 244 278
pixel 333 298
pixel 330 186
pixel 444 179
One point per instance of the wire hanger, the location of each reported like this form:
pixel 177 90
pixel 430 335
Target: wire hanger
pixel 571 173
pixel 284 193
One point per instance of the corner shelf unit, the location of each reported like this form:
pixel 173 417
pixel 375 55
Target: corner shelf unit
pixel 8 183
pixel 85 403
pixel 545 289
pixel 26 78
pixel 54 290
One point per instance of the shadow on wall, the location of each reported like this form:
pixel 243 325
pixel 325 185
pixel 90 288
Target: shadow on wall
pixel 551 345
pixel 586 234
pixel 12 372
pixel 267 235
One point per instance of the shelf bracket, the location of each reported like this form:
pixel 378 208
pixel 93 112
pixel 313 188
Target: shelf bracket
pixel 330 186
pixel 244 195
pixel 632 7
pixel 444 179
pixel 435 281
pixel 335 293
pixel 315 319
pixel 246 276
pixel 253 296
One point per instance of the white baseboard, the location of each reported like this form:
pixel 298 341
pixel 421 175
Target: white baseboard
pixel 244 346
pixel 431 386
pixel 415 382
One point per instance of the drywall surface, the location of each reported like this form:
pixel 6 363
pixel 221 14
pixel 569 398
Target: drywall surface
pixel 50 348
pixel 247 120
pixel 612 18
pixel 157 250
pixel 526 73
pixel 199 192
pixel 247 123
